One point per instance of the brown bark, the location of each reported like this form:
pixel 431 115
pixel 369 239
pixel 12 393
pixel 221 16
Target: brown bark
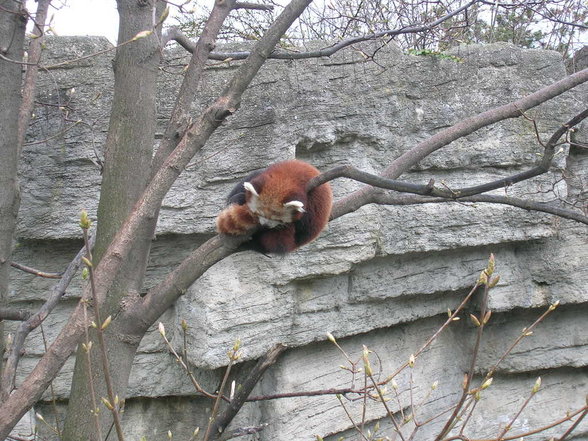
pixel 127 165
pixel 30 81
pixel 12 32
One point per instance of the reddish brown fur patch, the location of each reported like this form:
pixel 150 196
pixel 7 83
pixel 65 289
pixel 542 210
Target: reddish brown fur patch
pixel 236 220
pixel 280 183
pixel 284 180
pixel 279 241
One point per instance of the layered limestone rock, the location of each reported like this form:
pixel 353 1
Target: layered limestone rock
pixel 383 276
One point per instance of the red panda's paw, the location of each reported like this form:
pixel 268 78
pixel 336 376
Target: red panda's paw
pixel 236 220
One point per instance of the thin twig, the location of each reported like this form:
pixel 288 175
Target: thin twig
pixel 350 418
pixel 85 57
pixel 506 428
pixel 311 393
pixel 573 426
pixel 383 400
pixel 9 373
pixel 452 318
pixel 87 346
pixel 470 408
pixel 100 328
pixel 183 362
pixel 328 51
pixel 481 321
pixel 525 204
pixel 212 427
pixel 52 390
pixel 525 333
pixel 583 410
pixel 59 134
pixel 36 272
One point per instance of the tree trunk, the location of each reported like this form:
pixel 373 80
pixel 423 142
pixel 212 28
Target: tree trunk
pixel 12 32
pixel 128 153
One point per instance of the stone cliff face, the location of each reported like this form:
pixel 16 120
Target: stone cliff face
pixel 383 276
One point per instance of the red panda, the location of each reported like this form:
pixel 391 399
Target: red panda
pixel 275 204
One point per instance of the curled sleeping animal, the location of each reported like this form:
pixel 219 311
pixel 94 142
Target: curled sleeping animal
pixel 275 204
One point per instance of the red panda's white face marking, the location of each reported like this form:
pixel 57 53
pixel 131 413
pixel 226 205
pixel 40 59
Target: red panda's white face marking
pixel 270 213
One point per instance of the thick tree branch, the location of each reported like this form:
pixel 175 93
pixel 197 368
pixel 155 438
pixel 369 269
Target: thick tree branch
pixel 225 418
pixel 214 250
pixel 174 33
pixel 159 298
pixel 430 190
pixel 32 72
pixel 484 119
pixel 163 295
pixel 146 209
pixel 463 128
pixel 253 6
pixel 12 38
pixel 462 194
pixel 14 314
pixel 180 117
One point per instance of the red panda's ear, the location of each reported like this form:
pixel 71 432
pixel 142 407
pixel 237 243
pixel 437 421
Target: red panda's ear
pixel 295 206
pixel 250 188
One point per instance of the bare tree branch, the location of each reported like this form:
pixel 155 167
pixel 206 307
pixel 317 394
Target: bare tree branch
pixel 32 72
pixel 243 431
pixel 528 5
pixel 430 190
pixel 573 426
pixel 180 117
pixel 462 194
pixel 224 419
pixel 174 33
pixel 484 119
pixel 12 40
pixel 146 210
pixel 36 272
pixel 34 320
pixel 14 314
pixel 463 128
pixel 255 6
pixel 324 52
pixel 159 298
pixel 390 199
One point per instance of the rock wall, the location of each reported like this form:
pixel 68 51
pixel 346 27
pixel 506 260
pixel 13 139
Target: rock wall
pixel 383 276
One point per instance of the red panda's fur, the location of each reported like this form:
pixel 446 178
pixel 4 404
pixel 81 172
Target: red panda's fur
pixel 275 204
